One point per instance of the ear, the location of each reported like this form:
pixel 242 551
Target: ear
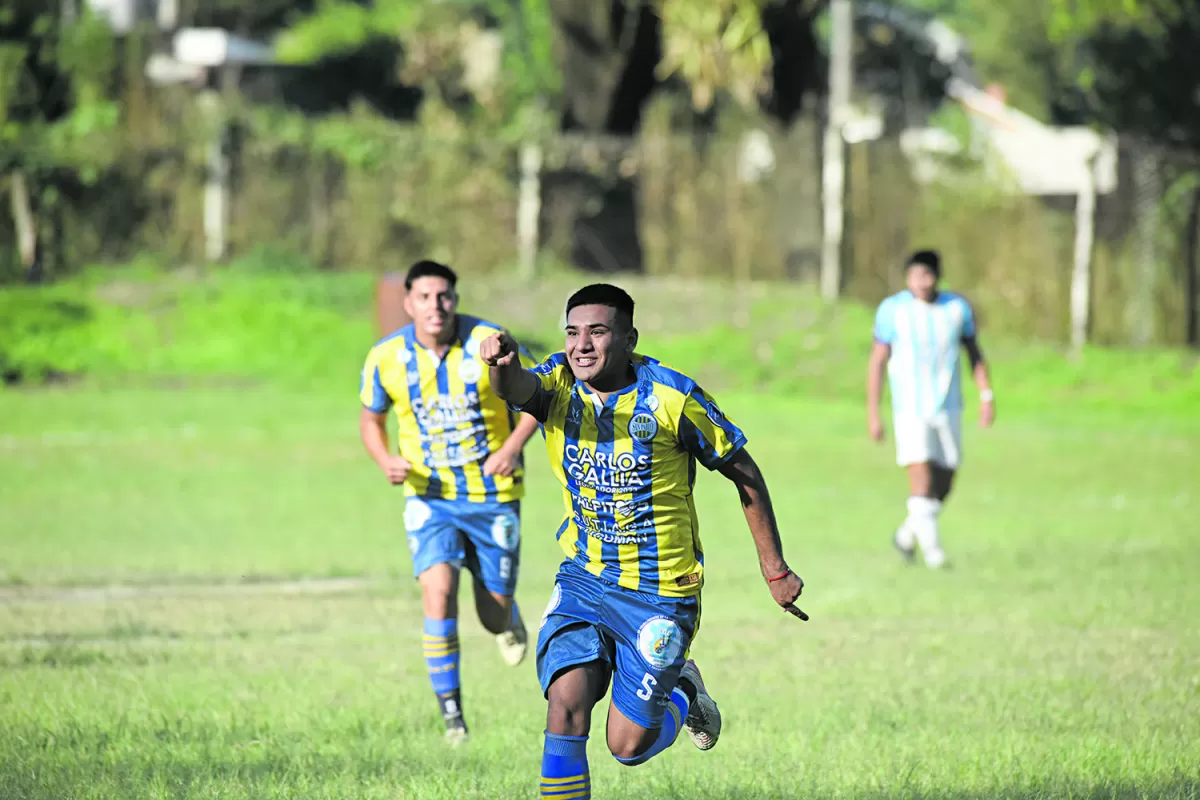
pixel 632 338
pixel 408 307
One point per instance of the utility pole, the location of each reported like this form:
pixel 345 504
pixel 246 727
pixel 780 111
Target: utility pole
pixel 833 167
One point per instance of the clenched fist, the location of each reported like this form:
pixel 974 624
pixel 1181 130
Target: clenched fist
pixel 396 468
pixel 498 350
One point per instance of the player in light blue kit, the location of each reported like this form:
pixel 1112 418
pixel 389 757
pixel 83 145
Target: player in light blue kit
pixel 918 336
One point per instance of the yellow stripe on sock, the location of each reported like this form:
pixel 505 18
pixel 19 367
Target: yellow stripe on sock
pixel 437 652
pixel 582 794
pixel 573 779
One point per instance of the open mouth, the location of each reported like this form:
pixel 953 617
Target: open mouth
pixel 585 362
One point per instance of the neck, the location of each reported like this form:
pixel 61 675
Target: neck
pixel 605 385
pixel 440 342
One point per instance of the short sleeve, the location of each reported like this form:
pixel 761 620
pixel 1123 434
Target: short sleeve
pixel 885 323
pixel 706 433
pixel 968 320
pixel 552 375
pixel 370 389
pixel 526 357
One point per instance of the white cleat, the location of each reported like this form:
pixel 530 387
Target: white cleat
pixel 456 732
pixel 903 543
pixel 703 721
pixel 513 643
pixel 935 559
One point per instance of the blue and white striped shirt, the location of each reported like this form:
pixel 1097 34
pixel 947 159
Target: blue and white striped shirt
pixel 923 371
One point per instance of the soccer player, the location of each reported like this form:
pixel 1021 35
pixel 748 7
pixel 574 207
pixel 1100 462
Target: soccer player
pixel 460 463
pixel 624 434
pixel 918 333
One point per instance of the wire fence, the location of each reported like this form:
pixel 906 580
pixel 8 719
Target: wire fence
pixel 741 208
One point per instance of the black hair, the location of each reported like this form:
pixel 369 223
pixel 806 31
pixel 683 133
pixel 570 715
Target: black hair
pixel 928 259
pixel 429 269
pixel 603 294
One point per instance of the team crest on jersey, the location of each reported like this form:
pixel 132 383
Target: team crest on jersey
pixel 416 514
pixel 470 370
pixel 643 427
pixel 506 531
pixel 659 641
pixel 404 355
pixel 552 606
pixel 471 348
pixel 652 403
pixel 575 412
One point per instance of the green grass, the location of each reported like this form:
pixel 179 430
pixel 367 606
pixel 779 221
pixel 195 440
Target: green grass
pixel 1058 659
pixel 210 453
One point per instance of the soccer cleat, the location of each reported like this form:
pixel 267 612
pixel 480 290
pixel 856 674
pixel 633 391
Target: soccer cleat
pixel 456 731
pixel 907 553
pixel 513 643
pixel 935 559
pixel 703 721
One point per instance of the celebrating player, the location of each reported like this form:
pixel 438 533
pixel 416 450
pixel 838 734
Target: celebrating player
pixel 918 333
pixel 460 463
pixel 624 434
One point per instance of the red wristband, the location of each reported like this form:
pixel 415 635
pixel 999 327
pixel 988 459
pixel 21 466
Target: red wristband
pixel 786 572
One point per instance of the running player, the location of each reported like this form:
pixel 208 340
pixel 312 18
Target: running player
pixel 460 463
pixel 918 333
pixel 624 434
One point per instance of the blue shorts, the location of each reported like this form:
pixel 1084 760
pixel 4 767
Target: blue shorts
pixel 483 537
pixel 643 639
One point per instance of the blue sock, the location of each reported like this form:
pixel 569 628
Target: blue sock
pixel 677 710
pixel 565 768
pixel 441 659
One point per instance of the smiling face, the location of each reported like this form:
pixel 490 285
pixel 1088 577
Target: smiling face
pixel 431 302
pixel 600 343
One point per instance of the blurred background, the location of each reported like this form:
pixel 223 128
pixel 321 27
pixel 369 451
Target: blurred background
pixel 204 204
pixel 1050 148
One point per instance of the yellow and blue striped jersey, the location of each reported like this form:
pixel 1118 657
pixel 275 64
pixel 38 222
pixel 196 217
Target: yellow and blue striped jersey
pixel 627 466
pixel 449 419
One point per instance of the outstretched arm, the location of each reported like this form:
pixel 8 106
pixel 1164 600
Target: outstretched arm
pixel 784 584
pixel 983 381
pixel 513 383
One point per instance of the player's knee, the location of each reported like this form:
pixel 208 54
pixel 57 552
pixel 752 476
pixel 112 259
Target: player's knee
pixel 569 712
pixel 567 718
pixel 631 748
pixel 438 599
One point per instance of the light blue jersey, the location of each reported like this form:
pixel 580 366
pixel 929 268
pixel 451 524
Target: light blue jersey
pixel 923 371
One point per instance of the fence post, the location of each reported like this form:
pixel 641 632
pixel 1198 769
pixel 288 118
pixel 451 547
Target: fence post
pixel 216 182
pixel 1191 258
pixel 833 167
pixel 1147 181
pixel 529 208
pixel 1081 275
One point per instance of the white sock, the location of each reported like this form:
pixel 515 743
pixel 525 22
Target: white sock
pixel 922 524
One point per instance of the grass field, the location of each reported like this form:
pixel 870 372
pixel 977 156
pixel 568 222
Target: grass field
pixel 204 592
pixel 1059 658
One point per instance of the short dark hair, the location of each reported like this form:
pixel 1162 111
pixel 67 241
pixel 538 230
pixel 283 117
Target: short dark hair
pixel 429 269
pixel 928 259
pixel 603 294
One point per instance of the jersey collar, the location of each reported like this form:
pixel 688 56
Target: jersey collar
pixel 638 378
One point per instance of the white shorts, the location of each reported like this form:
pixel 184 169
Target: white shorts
pixel 937 440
